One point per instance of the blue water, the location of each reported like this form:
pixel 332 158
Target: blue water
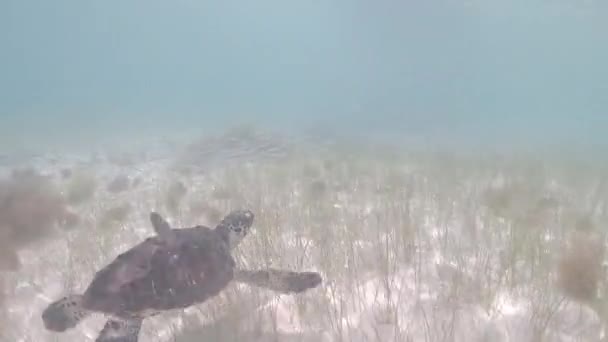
pixel 453 73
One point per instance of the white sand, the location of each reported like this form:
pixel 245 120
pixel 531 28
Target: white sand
pixel 409 248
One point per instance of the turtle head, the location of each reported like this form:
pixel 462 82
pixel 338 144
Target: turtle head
pixel 235 226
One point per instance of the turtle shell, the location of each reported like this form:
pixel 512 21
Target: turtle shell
pixel 158 275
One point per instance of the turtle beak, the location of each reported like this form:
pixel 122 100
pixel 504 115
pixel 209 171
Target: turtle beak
pixel 248 218
pixel 246 221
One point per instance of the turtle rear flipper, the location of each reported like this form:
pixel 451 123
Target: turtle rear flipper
pixel 64 313
pixel 120 330
pixel 282 281
pixel 162 227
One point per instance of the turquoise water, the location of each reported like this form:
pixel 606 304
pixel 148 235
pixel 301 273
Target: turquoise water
pixel 124 81
pixel 453 73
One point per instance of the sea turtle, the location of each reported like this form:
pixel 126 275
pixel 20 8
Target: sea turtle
pixel 174 269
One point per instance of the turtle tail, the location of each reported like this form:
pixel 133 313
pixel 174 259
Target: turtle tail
pixel 282 281
pixel 64 313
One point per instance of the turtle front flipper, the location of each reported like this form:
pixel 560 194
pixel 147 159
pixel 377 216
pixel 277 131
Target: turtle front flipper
pixel 161 227
pixel 120 330
pixel 282 281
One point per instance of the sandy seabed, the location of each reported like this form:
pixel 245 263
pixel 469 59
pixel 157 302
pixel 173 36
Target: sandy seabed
pixel 411 246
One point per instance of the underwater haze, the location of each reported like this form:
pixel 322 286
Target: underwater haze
pixel 453 73
pixel 418 171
